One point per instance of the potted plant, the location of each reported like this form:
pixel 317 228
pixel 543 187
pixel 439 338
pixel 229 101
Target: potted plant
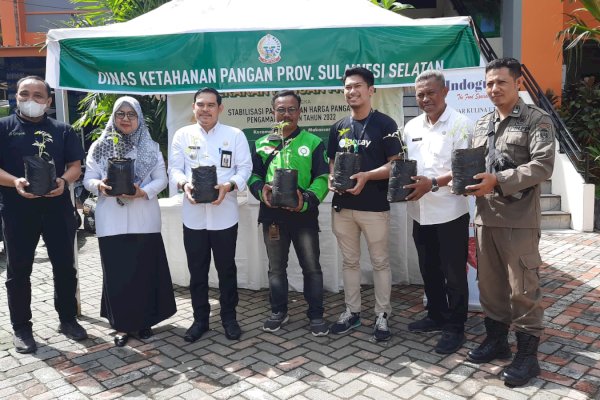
pixel 465 164
pixel 400 175
pixel 204 179
pixel 40 170
pixel 285 180
pixel 120 171
pixel 346 163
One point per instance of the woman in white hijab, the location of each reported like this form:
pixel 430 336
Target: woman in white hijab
pixel 137 289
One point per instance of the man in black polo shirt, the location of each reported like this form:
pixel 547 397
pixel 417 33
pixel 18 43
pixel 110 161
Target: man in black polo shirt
pixel 364 208
pixel 26 216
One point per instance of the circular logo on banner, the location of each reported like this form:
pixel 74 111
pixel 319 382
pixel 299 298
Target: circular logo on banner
pixel 304 151
pixel 269 49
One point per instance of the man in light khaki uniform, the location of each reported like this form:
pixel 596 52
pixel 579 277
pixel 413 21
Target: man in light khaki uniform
pixel 519 156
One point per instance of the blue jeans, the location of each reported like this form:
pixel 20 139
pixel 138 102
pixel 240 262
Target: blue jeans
pixel 306 244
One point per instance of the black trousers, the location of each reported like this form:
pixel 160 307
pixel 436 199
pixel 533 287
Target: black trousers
pixel 442 251
pixel 198 246
pixel 24 220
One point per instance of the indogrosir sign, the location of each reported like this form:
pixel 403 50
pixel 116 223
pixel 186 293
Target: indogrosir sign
pixel 261 60
pixel 466 92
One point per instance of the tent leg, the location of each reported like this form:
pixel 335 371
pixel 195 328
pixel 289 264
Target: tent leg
pixel 62 114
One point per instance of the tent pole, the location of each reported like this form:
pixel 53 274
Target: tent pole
pixel 62 114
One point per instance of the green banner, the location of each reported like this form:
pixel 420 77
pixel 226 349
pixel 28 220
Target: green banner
pixel 259 60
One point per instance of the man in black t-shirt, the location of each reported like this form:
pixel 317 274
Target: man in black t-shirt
pixel 26 216
pixel 364 208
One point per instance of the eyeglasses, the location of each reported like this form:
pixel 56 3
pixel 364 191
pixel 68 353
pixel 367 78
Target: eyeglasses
pixel 122 114
pixel 282 110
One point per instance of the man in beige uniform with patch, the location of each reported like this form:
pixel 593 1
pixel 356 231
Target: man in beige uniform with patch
pixel 520 155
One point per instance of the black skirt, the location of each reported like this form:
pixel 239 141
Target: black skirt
pixel 137 289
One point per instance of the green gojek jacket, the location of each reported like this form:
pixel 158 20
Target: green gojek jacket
pixel 304 152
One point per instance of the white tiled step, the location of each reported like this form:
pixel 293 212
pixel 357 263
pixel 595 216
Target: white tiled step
pixel 550 202
pixel 556 220
pixel 546 187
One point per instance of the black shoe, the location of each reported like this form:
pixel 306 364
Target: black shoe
pixel 382 333
pixel 425 325
pixel 24 342
pixel 525 365
pixel 72 330
pixel 495 345
pixel 232 330
pixel 145 333
pixel 121 340
pixel 347 320
pixel 450 342
pixel 195 331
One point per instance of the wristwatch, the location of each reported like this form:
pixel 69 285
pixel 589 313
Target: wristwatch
pixel 434 185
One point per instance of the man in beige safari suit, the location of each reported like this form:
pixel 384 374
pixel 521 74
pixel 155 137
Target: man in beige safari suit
pixel 519 141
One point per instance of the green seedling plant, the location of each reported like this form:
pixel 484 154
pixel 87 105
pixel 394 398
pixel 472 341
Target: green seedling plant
pixel 44 137
pixel 115 137
pixel 278 130
pixel 399 134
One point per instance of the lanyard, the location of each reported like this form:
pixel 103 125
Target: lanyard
pixel 362 133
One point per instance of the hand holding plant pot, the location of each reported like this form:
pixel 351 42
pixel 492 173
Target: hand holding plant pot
pixel 222 190
pixel 103 188
pixel 285 180
pixel 402 175
pixel 21 184
pixel 139 193
pixel 267 194
pixel 61 186
pixel 300 203
pixel 120 171
pixel 40 171
pixel 346 164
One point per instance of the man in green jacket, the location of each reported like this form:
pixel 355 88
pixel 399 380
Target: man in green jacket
pixel 304 152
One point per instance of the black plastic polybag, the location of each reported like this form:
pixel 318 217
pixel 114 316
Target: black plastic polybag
pixel 120 176
pixel 40 172
pixel 465 164
pixel 400 175
pixel 204 180
pixel 344 166
pixel 285 186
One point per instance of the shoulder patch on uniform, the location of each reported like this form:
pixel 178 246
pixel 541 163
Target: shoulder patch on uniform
pixel 543 132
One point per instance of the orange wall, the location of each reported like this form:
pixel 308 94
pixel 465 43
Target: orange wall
pixel 541 20
pixel 9 27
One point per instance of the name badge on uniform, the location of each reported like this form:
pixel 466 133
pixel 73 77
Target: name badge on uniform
pixel 193 151
pixel 417 139
pixel 226 158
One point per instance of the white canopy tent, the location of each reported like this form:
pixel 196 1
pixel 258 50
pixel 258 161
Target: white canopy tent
pixel 258 45
pixel 238 45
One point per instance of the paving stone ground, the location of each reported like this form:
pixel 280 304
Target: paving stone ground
pixel 291 363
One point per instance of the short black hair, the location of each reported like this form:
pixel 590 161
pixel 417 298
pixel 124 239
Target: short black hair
pixel 285 93
pixel 513 65
pixel 363 72
pixel 35 78
pixel 209 90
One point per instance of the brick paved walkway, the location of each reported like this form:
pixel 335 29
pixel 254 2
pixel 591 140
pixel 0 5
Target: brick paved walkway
pixel 294 364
